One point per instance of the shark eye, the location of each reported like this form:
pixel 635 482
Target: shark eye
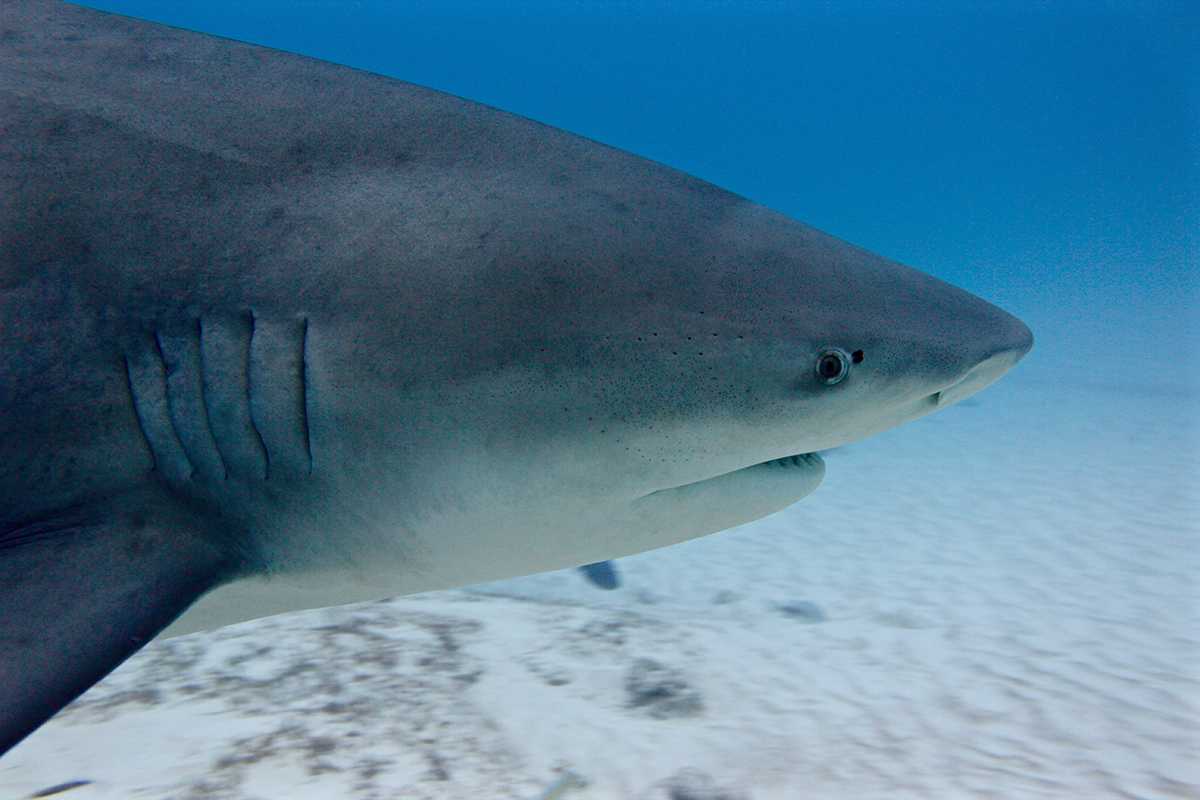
pixel 832 366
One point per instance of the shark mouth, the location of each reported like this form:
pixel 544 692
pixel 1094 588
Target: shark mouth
pixel 738 497
pixel 802 466
pixel 804 460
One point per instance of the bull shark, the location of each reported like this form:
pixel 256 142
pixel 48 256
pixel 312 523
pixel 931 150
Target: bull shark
pixel 280 333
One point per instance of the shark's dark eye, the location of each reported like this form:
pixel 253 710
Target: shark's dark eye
pixel 832 366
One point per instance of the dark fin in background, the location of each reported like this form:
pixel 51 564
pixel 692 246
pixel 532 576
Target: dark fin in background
pixel 603 574
pixel 83 591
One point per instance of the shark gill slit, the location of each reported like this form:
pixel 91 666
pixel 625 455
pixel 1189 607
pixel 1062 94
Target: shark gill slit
pixel 181 352
pixel 278 396
pixel 258 437
pixel 225 367
pixel 262 443
pixel 181 459
pixel 146 370
pixel 198 329
pixel 304 393
pixel 138 415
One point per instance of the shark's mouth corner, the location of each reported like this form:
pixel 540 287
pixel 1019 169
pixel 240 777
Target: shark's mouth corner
pixel 787 468
pixel 802 460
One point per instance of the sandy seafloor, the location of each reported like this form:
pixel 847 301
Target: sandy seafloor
pixel 998 601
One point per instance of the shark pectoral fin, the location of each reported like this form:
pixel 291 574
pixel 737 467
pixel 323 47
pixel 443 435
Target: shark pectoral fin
pixel 81 592
pixel 602 574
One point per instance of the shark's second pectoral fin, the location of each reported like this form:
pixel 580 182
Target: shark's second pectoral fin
pixel 82 591
pixel 602 574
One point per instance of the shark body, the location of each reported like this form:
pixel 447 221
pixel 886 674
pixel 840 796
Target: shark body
pixel 279 333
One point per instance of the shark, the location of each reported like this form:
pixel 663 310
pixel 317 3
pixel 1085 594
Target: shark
pixel 277 333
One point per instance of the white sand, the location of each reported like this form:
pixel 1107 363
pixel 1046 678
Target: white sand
pixel 1009 612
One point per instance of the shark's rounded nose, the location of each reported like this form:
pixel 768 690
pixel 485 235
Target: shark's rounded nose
pixel 1007 346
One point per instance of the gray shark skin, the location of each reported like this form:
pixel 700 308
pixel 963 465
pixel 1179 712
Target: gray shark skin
pixel 301 335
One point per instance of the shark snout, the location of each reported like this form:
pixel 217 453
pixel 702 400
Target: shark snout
pixel 1007 347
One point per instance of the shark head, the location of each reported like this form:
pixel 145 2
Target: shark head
pixel 623 365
